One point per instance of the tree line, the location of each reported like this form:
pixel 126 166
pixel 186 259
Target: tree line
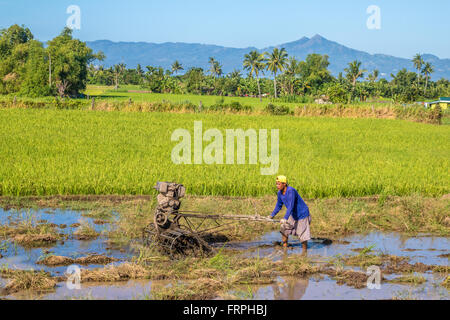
pixel 29 68
pixel 290 80
pixel 64 65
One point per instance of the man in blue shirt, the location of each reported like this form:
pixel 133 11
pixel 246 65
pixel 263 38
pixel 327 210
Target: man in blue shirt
pixel 297 219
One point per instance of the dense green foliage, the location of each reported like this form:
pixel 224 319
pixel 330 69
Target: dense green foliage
pixel 29 69
pixel 94 152
pixel 65 66
pixel 293 80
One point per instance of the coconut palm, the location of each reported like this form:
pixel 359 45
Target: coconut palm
pixel 216 68
pixel 176 66
pixel 254 63
pixel 292 69
pixel 427 70
pixel 418 63
pixel 118 70
pixel 276 61
pixel 373 76
pixel 354 72
pixel 235 74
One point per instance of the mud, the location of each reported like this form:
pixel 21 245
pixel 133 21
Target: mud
pixel 55 201
pixel 122 272
pixel 26 280
pixel 54 261
pixel 85 237
pixel 355 279
pixel 261 270
pixel 406 267
pixel 35 240
pixel 446 283
pixel 100 222
pixel 411 279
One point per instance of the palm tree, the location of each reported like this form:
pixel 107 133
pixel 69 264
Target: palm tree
pixel 354 72
pixel 418 63
pixel 373 76
pixel 118 70
pixel 254 63
pixel 176 66
pixel 235 74
pixel 292 69
pixel 216 68
pixel 140 73
pixel 427 70
pixel 276 61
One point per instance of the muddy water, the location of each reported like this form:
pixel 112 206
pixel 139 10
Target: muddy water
pixel 126 290
pixel 423 249
pixel 323 287
pixel 19 257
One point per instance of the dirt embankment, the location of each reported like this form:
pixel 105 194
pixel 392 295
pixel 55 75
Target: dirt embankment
pixel 54 261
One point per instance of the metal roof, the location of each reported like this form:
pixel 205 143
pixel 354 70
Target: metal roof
pixel 442 99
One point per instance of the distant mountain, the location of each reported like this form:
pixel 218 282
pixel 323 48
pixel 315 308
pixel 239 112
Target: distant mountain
pixel 197 55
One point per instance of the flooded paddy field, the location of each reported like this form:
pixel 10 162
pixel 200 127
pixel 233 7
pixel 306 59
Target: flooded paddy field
pixel 37 246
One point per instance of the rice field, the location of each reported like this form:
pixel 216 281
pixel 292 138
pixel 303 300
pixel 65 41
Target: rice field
pixel 137 94
pixel 50 152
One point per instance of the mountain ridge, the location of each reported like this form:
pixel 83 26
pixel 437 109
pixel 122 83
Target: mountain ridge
pixel 197 55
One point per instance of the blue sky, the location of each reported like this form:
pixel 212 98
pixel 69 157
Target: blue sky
pixel 407 26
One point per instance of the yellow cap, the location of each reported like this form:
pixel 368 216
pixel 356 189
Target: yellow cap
pixel 282 179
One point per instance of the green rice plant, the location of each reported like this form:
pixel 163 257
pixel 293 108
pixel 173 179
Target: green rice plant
pixel 66 152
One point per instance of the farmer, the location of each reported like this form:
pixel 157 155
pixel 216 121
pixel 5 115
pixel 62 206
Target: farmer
pixel 297 218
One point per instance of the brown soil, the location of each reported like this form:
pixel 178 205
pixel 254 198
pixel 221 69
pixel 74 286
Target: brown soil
pixel 355 279
pixel 408 279
pixel 446 282
pixel 406 267
pixel 341 242
pixel 53 261
pixel 54 201
pixel 75 225
pixel 63 226
pixel 201 289
pixel 35 239
pixel 26 280
pixel 96 259
pixel 213 238
pixel 122 272
pixel 84 237
pixel 100 222
pixel 445 255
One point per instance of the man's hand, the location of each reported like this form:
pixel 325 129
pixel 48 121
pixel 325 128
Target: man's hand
pixel 271 217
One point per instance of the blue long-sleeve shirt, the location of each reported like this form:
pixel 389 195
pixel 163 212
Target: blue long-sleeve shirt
pixel 295 205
